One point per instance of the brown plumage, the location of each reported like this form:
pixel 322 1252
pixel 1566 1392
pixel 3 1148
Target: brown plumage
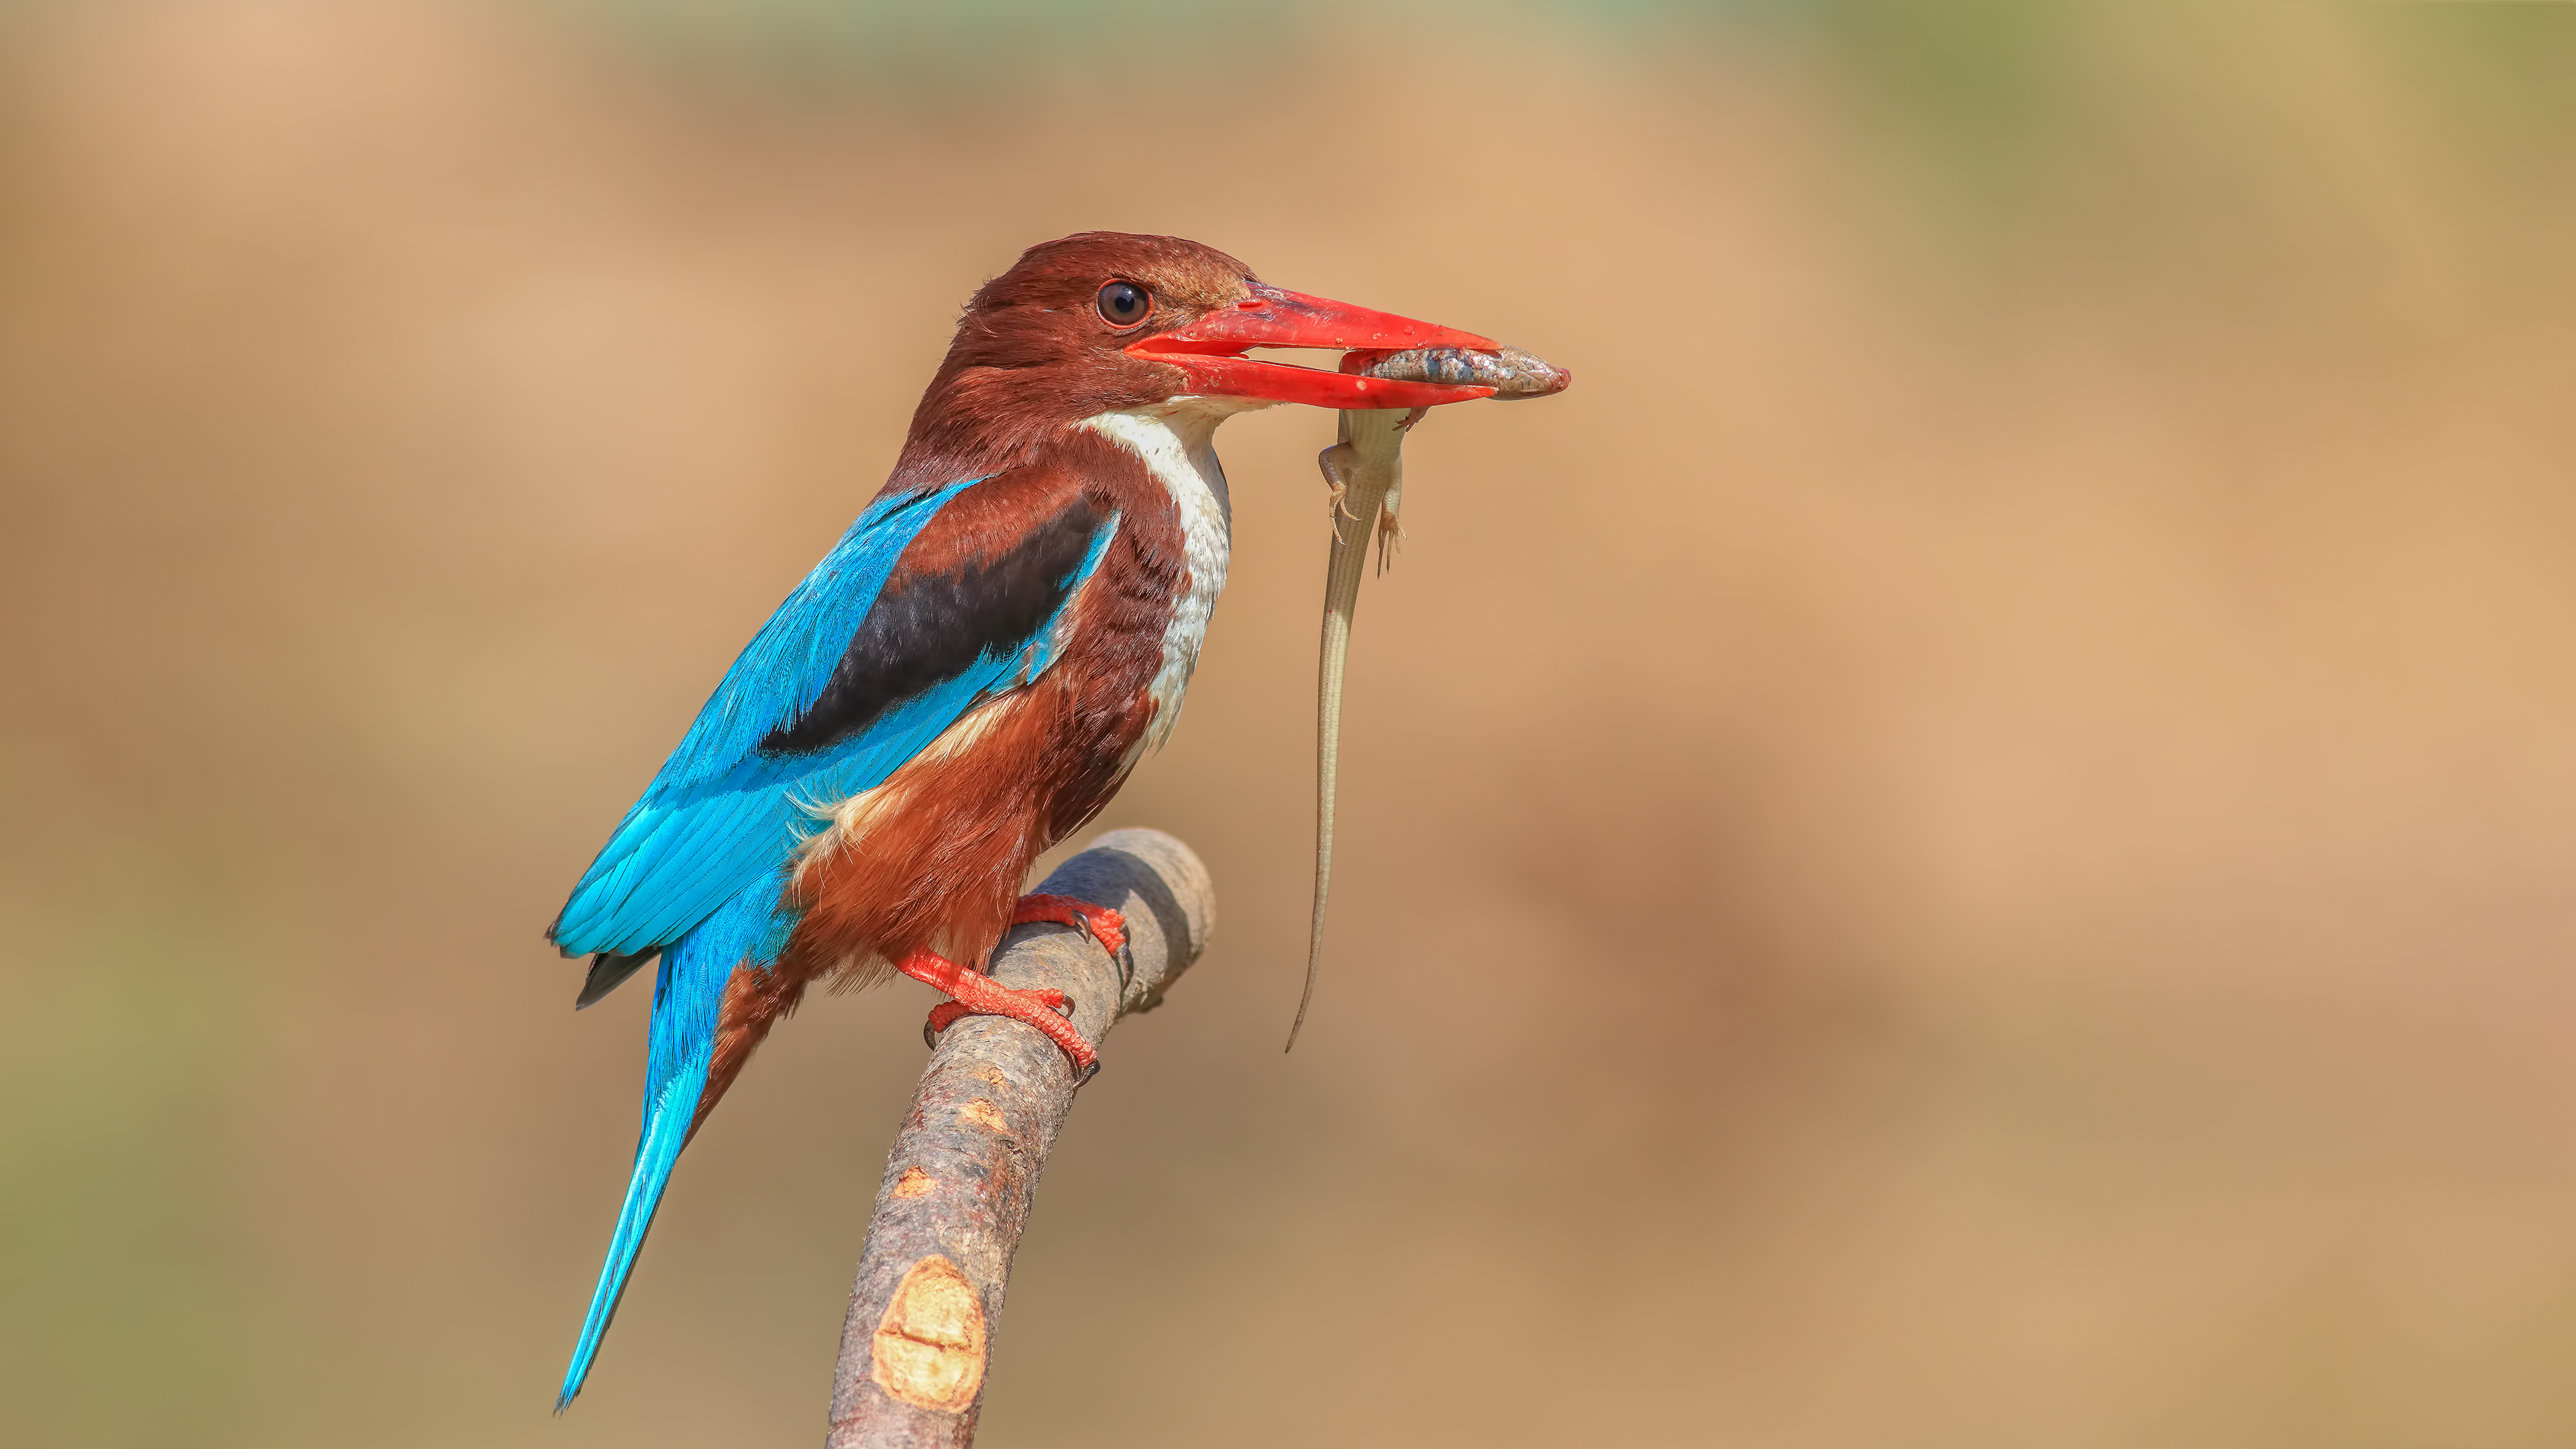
pixel 1063 535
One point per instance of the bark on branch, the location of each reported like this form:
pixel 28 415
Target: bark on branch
pixel 957 1186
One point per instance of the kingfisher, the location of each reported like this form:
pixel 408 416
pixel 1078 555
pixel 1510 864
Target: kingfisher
pixel 965 679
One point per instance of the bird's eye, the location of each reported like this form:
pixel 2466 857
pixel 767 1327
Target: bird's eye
pixel 1124 304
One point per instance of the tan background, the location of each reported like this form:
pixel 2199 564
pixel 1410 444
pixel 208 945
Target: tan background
pixel 1966 845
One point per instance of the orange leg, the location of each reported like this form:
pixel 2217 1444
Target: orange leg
pixel 980 995
pixel 1101 923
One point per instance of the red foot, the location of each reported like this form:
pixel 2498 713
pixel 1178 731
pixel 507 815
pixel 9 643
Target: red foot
pixel 980 995
pixel 1106 926
pixel 946 1013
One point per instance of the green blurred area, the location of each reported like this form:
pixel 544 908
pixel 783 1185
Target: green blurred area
pixel 1966 844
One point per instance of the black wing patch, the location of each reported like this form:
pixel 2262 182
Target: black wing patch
pixel 935 626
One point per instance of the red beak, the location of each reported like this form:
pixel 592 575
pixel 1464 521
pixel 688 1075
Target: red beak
pixel 1210 349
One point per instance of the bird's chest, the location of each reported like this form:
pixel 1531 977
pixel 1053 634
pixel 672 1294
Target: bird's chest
pixel 1176 443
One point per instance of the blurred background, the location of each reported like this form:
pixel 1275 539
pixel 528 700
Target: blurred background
pixel 1967 844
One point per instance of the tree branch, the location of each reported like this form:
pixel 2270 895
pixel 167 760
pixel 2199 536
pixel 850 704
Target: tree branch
pixel 958 1183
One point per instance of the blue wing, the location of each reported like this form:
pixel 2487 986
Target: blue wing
pixel 855 673
pixel 730 803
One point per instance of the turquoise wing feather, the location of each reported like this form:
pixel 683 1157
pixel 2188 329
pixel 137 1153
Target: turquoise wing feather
pixel 699 864
pixel 723 810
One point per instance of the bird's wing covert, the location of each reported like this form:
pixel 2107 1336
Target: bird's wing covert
pixel 931 603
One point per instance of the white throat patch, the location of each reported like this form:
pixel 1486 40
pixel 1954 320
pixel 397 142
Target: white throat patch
pixel 1177 440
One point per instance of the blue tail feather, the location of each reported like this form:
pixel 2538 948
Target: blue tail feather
pixel 748 931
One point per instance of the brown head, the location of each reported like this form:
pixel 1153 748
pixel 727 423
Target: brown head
pixel 1105 321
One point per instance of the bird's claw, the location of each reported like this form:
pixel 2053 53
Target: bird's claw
pixel 1100 923
pixel 947 1013
pixel 1041 1007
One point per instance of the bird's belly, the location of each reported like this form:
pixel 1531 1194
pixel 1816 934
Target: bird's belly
pixel 933 858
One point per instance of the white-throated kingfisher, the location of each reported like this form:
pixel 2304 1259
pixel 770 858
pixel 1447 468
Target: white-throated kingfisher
pixel 965 679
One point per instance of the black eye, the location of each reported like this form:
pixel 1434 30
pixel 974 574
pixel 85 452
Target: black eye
pixel 1124 304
